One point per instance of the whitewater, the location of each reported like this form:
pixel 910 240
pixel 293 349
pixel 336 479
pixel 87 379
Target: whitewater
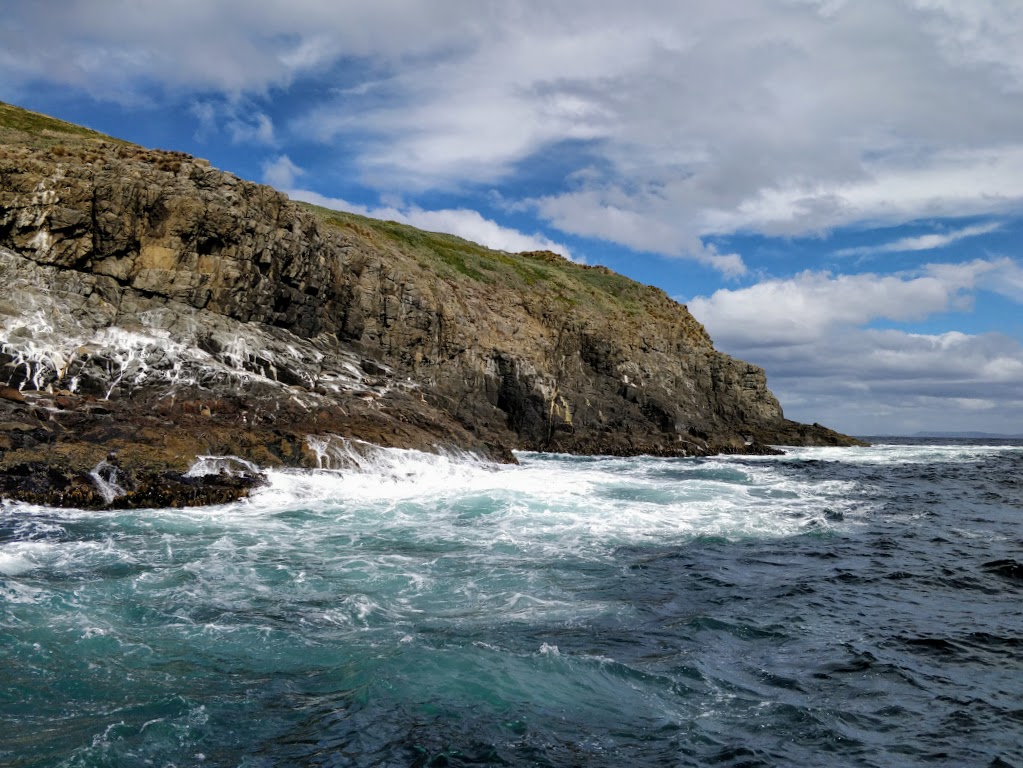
pixel 832 606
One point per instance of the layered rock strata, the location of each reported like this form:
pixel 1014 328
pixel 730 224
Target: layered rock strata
pixel 164 310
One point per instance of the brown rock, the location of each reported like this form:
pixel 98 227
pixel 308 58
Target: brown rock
pixel 12 394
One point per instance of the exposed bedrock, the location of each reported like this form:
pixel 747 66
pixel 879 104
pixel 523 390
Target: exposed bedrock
pixel 164 310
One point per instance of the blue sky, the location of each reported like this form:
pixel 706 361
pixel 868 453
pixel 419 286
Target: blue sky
pixel 835 189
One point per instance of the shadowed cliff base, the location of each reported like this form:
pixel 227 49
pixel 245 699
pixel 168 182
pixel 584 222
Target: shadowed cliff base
pixel 164 310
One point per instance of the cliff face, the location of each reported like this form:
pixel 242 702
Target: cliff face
pixel 159 307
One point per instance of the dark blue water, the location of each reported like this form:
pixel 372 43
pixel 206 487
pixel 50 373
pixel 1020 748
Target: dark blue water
pixel 859 607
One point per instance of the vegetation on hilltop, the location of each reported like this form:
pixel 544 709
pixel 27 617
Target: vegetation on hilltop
pixel 21 126
pixel 571 283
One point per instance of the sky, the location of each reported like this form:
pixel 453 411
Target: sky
pixel 834 188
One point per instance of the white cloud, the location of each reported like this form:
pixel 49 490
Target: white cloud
pixel 242 122
pixel 950 183
pixel 281 172
pixel 885 382
pixel 586 215
pixel 116 50
pixel 1006 280
pixel 254 129
pixel 467 224
pixel 701 119
pixel 980 32
pixel 809 332
pixel 810 305
pixel 922 242
pixel 206 114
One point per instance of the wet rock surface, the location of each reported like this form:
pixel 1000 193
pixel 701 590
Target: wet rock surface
pixel 104 488
pixel 162 309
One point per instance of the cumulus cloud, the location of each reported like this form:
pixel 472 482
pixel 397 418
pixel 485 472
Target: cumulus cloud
pixel 117 50
pixel 583 214
pixel 949 183
pixel 981 32
pixel 467 224
pixel 280 172
pixel 702 119
pixel 809 306
pixel 787 130
pixel 892 382
pixel 811 333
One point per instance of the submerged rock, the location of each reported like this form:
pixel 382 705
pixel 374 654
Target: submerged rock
pixel 158 307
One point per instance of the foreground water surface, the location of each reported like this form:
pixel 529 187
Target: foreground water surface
pixel 828 607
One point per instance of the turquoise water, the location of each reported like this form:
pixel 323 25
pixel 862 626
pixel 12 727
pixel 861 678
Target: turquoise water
pixel 847 606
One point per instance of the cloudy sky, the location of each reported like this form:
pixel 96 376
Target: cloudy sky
pixel 835 189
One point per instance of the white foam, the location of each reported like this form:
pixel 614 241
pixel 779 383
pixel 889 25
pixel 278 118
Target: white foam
pixel 218 465
pixel 104 476
pixel 544 507
pixel 549 506
pixel 41 558
pixel 398 535
pixel 897 453
pixel 15 563
pixel 20 557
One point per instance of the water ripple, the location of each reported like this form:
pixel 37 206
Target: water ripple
pixel 839 607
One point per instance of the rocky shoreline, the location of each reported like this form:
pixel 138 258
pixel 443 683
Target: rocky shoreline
pixel 156 311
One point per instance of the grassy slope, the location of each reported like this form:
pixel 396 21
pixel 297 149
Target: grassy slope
pixel 20 126
pixel 575 286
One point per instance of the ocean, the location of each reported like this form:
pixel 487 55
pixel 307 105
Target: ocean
pixel 833 606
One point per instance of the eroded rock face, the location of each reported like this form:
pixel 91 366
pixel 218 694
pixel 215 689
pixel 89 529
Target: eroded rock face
pixel 166 310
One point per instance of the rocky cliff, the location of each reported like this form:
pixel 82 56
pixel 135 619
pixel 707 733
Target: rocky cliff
pixel 155 310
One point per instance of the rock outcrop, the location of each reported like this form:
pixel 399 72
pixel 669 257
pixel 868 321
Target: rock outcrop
pixel 162 309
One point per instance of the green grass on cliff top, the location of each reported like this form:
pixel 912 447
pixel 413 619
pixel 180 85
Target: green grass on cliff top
pixel 567 282
pixel 43 130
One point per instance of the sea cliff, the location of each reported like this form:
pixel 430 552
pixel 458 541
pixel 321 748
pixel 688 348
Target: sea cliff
pixel 157 313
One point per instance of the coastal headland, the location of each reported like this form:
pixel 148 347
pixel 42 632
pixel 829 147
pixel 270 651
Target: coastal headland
pixel 158 314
